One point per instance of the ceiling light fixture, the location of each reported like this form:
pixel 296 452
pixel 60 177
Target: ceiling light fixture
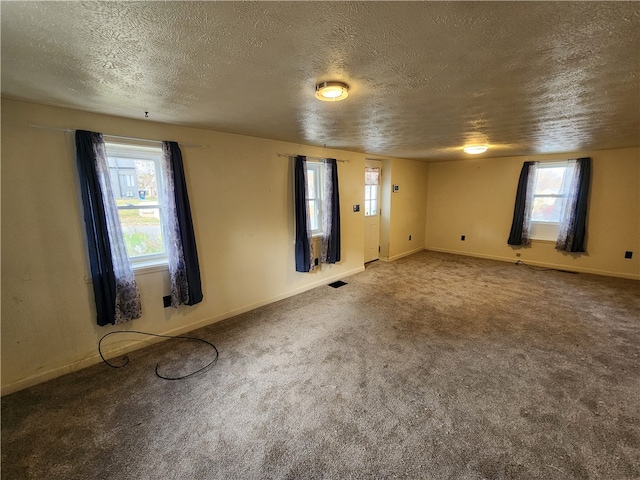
pixel 475 149
pixel 332 91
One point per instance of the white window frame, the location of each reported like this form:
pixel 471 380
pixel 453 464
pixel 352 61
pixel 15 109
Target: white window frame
pixel 543 230
pixel 318 170
pixel 138 152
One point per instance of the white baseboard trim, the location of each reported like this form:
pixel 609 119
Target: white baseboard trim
pixel 94 358
pixel 405 254
pixel 629 276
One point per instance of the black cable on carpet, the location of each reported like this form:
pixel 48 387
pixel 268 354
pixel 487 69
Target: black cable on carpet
pixel 126 358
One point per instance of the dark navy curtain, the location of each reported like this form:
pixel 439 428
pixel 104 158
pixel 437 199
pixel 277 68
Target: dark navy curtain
pixel 102 272
pixel 184 268
pixel 114 285
pixel 519 234
pixel 302 245
pixel 573 230
pixel 333 247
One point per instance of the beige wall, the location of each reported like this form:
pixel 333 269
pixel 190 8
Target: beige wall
pixel 475 197
pixel 242 205
pixel 405 207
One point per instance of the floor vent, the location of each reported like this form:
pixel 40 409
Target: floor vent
pixel 337 284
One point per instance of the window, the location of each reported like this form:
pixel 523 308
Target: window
pixel 136 182
pixel 549 197
pixel 315 192
pixel 317 212
pixel 552 203
pixel 154 228
pixel 371 182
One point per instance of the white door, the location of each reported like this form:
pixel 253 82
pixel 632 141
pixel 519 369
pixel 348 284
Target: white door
pixel 372 210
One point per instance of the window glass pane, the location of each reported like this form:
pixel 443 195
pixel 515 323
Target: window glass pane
pixel 313 215
pixel 370 200
pixel 135 185
pixel 546 209
pixel 311 183
pixel 371 181
pixel 549 180
pixel 146 180
pixel 547 205
pixel 371 176
pixel 141 227
pixel 142 231
pixel 314 195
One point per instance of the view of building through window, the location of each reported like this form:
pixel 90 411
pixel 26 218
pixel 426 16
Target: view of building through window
pixel 135 178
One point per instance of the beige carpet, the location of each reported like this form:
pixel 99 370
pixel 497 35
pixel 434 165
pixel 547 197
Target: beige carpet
pixel 434 366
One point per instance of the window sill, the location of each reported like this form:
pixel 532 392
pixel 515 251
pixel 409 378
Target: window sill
pixel 150 267
pixel 143 269
pixel 543 240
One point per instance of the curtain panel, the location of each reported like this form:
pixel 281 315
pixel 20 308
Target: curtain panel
pixel 115 290
pixel 330 241
pixel 331 214
pixel 303 245
pixel 573 220
pixel 520 233
pixel 184 268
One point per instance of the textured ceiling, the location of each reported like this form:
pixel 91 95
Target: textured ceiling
pixel 425 77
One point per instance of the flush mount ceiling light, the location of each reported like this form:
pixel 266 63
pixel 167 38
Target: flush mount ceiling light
pixel 475 149
pixel 332 91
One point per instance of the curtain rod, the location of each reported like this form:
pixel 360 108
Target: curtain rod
pixel 68 130
pixel 291 155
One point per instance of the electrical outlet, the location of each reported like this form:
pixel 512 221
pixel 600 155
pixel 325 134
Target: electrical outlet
pixel 462 237
pixel 356 208
pixel 628 254
pixel 517 254
pixel 166 301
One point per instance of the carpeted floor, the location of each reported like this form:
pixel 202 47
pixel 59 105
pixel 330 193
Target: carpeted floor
pixel 434 366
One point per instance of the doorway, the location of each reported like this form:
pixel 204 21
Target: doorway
pixel 372 175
